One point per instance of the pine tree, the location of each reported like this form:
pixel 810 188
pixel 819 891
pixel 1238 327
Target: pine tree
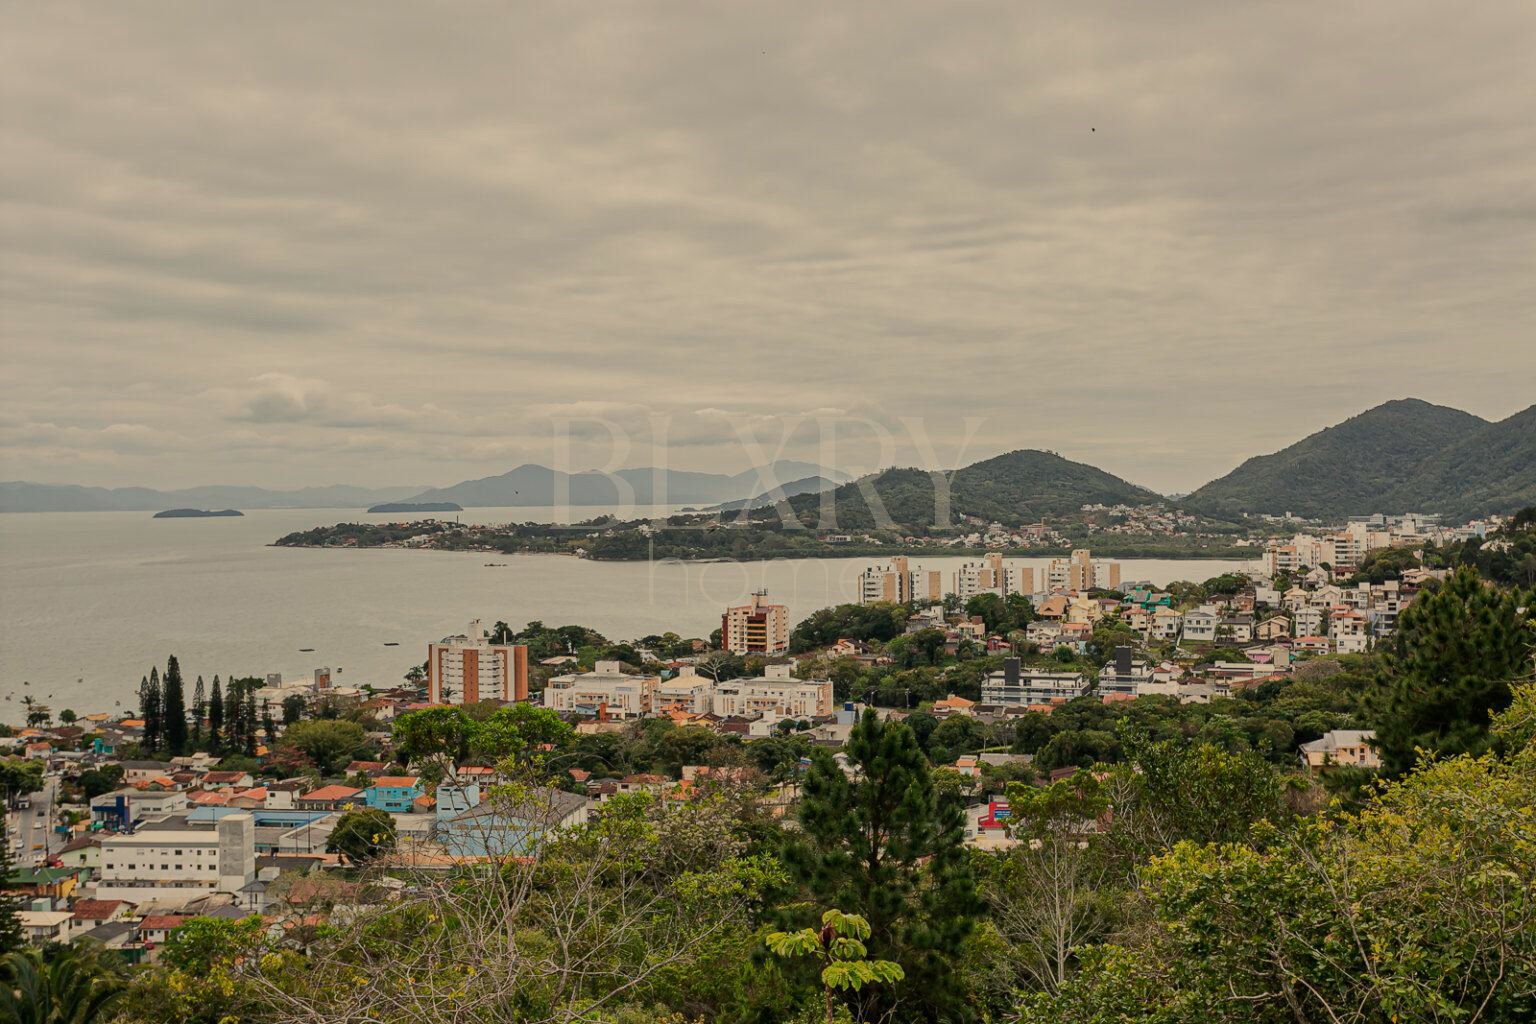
pixel 884 846
pixel 267 723
pixel 174 707
pixel 11 938
pixel 216 718
pixel 199 710
pixel 248 716
pixel 150 709
pixel 1455 652
pixel 234 712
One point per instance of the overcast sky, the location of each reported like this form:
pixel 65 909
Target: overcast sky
pixel 381 244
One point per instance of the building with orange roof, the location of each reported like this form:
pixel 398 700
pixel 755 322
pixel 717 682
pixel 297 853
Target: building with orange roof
pixel 329 798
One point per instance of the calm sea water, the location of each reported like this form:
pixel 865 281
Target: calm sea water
pixel 92 599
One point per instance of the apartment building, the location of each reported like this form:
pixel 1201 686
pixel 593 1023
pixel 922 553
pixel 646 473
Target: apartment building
pixel 777 693
pixel 1015 685
pixel 607 690
pixel 1082 572
pixel 756 627
pixel 468 668
pixel 899 582
pixel 991 576
pixel 687 691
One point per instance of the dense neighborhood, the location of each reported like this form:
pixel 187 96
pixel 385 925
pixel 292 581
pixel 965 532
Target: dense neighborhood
pixel 260 809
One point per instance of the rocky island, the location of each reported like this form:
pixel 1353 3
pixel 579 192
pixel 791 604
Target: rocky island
pixel 197 513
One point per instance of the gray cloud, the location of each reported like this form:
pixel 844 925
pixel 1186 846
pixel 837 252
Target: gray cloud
pixel 309 243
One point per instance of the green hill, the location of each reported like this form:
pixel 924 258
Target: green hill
pixel 1348 469
pixel 1019 487
pixel 1492 469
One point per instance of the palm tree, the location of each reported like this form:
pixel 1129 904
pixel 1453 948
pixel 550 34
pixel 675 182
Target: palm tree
pixel 77 985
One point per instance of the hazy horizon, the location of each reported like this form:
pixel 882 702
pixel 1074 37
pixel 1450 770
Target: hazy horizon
pixel 296 245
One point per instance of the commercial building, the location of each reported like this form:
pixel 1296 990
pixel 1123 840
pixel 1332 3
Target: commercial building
pixel 173 861
pixel 900 583
pixel 468 668
pixel 755 628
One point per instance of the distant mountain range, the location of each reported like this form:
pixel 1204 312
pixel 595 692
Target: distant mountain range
pixel 530 485
pixel 1019 487
pixel 20 496
pixel 1402 456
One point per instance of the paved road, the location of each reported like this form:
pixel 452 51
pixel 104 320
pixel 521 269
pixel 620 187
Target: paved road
pixel 33 825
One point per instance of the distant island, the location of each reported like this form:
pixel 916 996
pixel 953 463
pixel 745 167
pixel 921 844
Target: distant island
pixel 418 506
pixel 196 513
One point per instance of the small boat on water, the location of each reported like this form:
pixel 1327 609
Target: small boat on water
pixel 495 565
pixel 305 650
pixel 391 643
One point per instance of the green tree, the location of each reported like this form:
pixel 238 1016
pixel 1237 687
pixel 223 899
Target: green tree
pixel 150 710
pixel 216 717
pixel 11 937
pixel 293 708
pixel 1417 908
pixel 202 943
pixel 883 845
pixel 838 946
pixel 325 742
pixel 174 708
pixel 79 984
pixel 362 835
pixel 1455 654
pixel 520 732
pixel 441 733
pixel 199 713
pixel 101 779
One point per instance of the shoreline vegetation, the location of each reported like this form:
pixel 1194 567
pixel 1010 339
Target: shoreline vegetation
pixel 608 540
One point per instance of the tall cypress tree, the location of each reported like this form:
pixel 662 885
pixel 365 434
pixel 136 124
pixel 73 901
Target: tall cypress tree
pixel 884 846
pixel 174 707
pixel 216 717
pixel 151 710
pixel 11 938
pixel 235 711
pixel 1454 654
pixel 248 716
pixel 199 709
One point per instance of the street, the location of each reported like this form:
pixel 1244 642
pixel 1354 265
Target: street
pixel 30 829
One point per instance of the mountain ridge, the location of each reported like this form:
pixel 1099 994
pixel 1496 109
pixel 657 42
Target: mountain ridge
pixel 532 485
pixel 1348 468
pixel 1020 486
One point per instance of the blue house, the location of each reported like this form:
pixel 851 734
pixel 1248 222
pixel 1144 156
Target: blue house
pixel 394 793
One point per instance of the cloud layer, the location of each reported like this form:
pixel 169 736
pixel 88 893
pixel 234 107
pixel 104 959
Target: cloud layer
pixel 298 244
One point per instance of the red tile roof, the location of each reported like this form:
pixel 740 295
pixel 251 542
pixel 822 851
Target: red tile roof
pixel 396 781
pixel 95 910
